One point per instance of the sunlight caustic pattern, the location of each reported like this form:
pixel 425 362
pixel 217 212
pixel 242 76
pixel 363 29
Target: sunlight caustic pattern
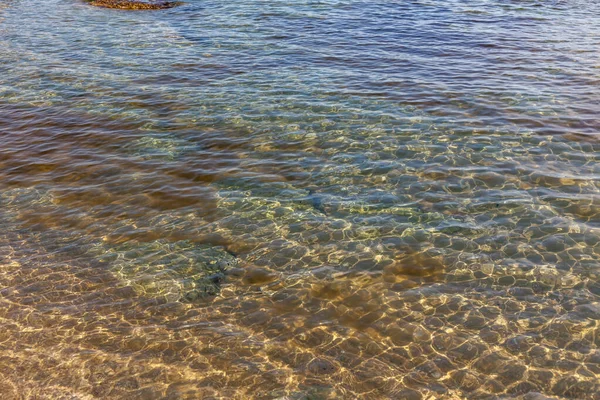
pixel 317 200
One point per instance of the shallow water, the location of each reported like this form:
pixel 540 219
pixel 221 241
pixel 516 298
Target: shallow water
pixel 307 200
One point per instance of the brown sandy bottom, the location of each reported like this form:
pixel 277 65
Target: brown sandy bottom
pixel 75 331
pixel 409 191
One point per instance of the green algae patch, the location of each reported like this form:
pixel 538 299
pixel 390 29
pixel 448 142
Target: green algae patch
pixel 179 271
pixel 134 5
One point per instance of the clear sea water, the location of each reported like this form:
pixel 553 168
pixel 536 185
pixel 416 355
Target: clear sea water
pixel 300 200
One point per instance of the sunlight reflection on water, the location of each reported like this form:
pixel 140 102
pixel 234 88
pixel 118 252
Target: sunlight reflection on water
pixel 336 199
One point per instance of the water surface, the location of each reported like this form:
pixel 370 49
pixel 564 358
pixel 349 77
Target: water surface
pixel 306 200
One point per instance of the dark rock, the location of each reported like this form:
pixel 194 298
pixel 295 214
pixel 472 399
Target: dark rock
pixel 401 335
pixel 506 281
pixel 490 363
pixel 320 366
pixel 542 378
pixel 589 310
pixel 258 276
pixel 466 352
pixel 490 336
pixel 430 370
pixel 571 387
pixel 519 344
pixel 444 364
pixel 464 380
pixel 511 373
pixel 474 322
pixel 493 386
pixel 522 388
pixel 134 4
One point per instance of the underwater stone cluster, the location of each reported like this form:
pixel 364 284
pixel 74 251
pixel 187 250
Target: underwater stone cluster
pixel 134 4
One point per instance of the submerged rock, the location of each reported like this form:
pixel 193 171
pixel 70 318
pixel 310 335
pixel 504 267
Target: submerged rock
pixel 134 4
pixel 181 270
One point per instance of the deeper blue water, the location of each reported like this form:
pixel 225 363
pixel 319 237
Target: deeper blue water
pixel 300 200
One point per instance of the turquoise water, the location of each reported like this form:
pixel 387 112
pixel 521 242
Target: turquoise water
pixel 324 199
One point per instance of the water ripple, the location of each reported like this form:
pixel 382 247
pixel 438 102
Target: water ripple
pixel 339 199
